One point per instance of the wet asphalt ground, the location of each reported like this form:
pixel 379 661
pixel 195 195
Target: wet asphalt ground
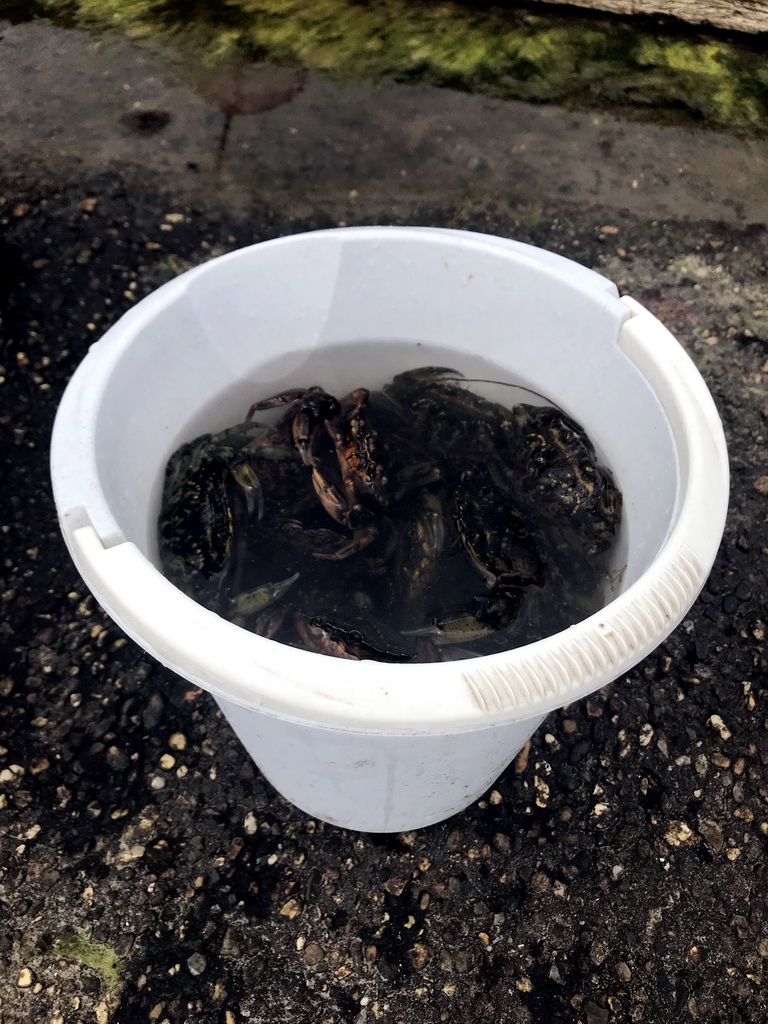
pixel 616 872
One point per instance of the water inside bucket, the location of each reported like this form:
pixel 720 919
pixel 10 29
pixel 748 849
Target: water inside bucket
pixel 369 590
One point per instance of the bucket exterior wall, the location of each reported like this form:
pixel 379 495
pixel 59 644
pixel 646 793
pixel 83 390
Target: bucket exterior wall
pixel 376 783
pixel 363 744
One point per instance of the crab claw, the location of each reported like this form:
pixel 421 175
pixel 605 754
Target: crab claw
pixel 458 629
pixel 254 601
pixel 249 483
pixel 329 497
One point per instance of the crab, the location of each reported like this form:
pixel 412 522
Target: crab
pixel 209 483
pixel 354 641
pixel 307 409
pixel 421 540
pixel 494 533
pixel 559 471
pixel 351 484
pixel 455 425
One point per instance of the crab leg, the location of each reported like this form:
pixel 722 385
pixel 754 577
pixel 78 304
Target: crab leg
pixel 284 398
pixel 360 540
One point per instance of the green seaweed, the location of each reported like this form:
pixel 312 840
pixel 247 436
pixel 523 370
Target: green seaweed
pixel 99 957
pixel 577 59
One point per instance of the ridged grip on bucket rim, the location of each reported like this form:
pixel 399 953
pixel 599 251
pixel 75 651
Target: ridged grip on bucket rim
pixel 527 682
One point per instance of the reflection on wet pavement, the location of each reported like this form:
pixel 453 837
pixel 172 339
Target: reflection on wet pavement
pixel 241 88
pixel 102 101
pixel 534 52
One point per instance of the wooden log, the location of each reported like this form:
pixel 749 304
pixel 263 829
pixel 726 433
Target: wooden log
pixel 736 15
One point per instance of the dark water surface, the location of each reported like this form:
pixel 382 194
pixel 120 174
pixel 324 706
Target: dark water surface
pixel 450 550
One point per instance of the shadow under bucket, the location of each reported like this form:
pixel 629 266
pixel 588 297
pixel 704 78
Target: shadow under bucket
pixel 366 745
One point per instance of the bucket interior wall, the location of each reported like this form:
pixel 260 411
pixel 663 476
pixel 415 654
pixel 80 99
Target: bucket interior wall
pixel 342 314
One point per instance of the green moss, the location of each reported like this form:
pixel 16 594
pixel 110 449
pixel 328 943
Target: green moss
pixel 507 53
pixel 100 958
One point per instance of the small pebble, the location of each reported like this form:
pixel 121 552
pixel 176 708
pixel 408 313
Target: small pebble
pixel 539 881
pixel 542 791
pixel 134 852
pixel 712 834
pixel 596 1014
pixel 290 909
pixel 196 964
pixel 178 741
pixel 622 971
pixel 153 711
pixel 715 722
pixel 418 955
pixel 598 953
pixel 117 759
pixel 313 954
pixel 680 834
pixel 25 978
pixel 646 734
pixel 521 761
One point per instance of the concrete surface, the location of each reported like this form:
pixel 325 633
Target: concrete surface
pixel 616 871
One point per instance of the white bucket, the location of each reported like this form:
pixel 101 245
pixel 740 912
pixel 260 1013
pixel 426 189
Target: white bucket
pixel 366 745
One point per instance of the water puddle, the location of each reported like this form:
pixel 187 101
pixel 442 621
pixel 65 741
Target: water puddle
pixel 537 53
pixel 301 121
